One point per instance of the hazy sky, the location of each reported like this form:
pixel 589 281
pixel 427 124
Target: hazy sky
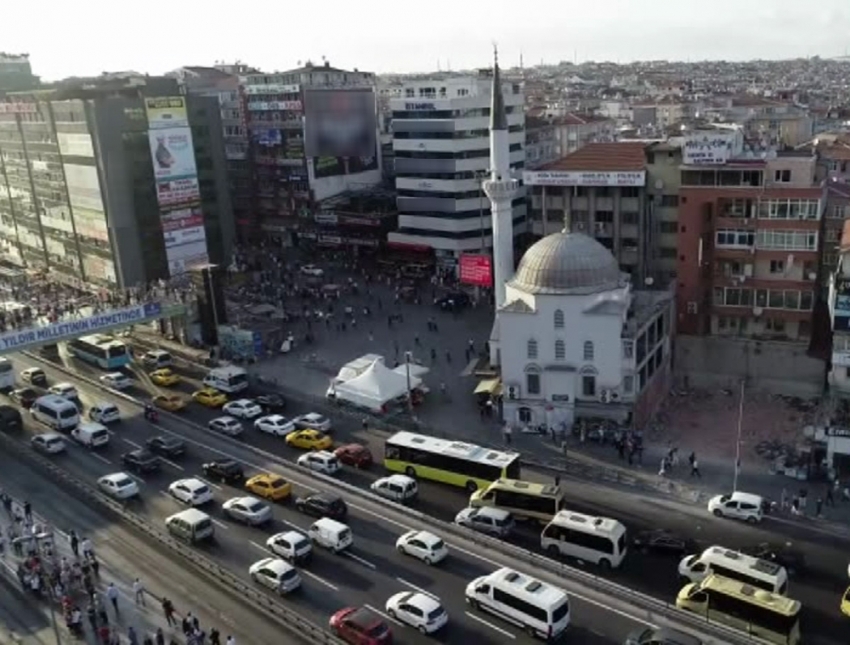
pixel 86 37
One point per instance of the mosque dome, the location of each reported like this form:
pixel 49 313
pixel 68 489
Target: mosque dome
pixel 567 263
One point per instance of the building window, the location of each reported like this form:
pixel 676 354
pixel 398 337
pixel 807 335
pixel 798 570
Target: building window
pixel 669 201
pixel 787 240
pixel 588 386
pixel 630 191
pixel 525 413
pixel 774 324
pixel 559 319
pixel 532 383
pixel 733 237
pixel 782 176
pixel 532 350
pixel 628 384
pixel 777 266
pixel 560 351
pixel 628 349
pixel 588 351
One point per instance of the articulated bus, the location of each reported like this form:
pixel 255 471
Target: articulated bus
pixel 7 374
pixel 450 462
pixel 103 351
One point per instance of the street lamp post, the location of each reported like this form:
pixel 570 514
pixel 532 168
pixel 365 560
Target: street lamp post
pixel 738 438
pixel 407 357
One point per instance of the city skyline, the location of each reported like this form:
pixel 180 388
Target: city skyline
pixel 621 31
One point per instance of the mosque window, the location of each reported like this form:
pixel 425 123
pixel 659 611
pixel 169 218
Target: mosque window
pixel 588 350
pixel 559 319
pixel 532 349
pixel 560 351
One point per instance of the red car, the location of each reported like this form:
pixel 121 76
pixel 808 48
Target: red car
pixel 354 454
pixel 359 626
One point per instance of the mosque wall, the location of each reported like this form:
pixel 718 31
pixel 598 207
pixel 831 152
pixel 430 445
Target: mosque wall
pixel 775 367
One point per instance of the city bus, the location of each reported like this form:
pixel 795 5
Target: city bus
pixel 103 351
pixel 524 500
pixel 760 613
pixel 7 374
pixel 450 462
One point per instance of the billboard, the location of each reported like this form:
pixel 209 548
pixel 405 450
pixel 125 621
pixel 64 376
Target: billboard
pixel 178 191
pixel 340 123
pixel 476 269
pixel 713 149
pixel 166 112
pixel 328 166
pixel 173 153
pixel 363 164
pixel 584 178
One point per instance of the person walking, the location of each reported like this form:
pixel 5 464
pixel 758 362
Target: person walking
pixel 819 507
pixel 830 499
pixel 508 432
pixel 168 610
pixel 695 469
pixel 91 613
pixel 87 548
pixel 28 511
pixel 75 543
pixel 139 592
pixel 160 636
pixel 131 636
pixel 112 594
pixel 231 640
pixel 215 637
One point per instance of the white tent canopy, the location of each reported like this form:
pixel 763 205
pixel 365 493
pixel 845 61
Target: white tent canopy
pixel 416 370
pixel 375 386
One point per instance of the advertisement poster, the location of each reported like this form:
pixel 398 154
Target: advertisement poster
pixel 340 123
pixel 476 269
pixel 328 166
pixel 191 255
pixel 362 164
pixel 178 191
pixel 166 112
pixel 182 218
pixel 173 154
pixel 182 236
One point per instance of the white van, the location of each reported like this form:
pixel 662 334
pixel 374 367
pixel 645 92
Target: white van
pixel 737 566
pixel 599 540
pixel 91 434
pixel 540 608
pixel 157 359
pixel 56 411
pixel 228 379
pixel 398 488
pixel 191 525
pixel 330 534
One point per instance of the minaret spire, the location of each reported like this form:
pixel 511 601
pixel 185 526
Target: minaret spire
pixel 498 120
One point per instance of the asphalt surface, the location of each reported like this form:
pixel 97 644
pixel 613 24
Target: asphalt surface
pixel 367 575
pixel 21 620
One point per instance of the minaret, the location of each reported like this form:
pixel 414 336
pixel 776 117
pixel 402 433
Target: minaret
pixel 501 189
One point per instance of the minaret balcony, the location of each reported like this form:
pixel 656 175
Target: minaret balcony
pixel 501 189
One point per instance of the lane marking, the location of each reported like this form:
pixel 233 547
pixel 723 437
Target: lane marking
pixel 132 443
pixel 294 526
pixel 260 547
pixel 171 463
pixel 415 588
pixel 210 484
pixel 503 632
pixel 101 458
pixel 319 579
pixel 219 523
pixel 384 614
pixel 360 560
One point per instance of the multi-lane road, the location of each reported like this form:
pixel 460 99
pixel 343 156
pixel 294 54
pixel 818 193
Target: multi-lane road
pixel 367 575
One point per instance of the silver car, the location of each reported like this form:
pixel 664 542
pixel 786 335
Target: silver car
pixel 249 510
pixel 226 425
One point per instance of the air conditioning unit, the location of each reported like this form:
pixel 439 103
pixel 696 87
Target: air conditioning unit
pixel 757 311
pixel 513 392
pixel 615 396
pixel 605 396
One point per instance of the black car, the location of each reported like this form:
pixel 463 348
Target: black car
pixel 794 560
pixel 453 301
pixel 225 470
pixel 322 505
pixel 664 542
pixel 141 461
pixel 170 447
pixel 34 376
pixel 24 397
pixel 271 402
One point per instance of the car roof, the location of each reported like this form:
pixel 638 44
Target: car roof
pixel 324 454
pixel 425 536
pixel 330 498
pixel 423 601
pixel 117 476
pixel 242 402
pixel 492 511
pixel 746 497
pixel 192 482
pixel 365 618
pixel 50 435
pixel 277 565
pixel 398 479
pixel 226 419
pixel 168 439
pixel 276 418
pixel 246 500
pixel 65 385
pixel 291 535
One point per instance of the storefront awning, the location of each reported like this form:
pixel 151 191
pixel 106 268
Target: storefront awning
pixel 489 386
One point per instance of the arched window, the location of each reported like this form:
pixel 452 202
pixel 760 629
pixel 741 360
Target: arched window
pixel 588 381
pixel 588 350
pixel 532 350
pixel 532 380
pixel 560 351
pixel 559 319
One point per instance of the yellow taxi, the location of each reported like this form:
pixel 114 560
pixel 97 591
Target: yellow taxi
pixel 170 402
pixel 845 603
pixel 309 439
pixel 272 487
pixel 209 397
pixel 164 377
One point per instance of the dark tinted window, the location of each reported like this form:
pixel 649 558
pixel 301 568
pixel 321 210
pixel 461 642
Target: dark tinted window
pixel 508 599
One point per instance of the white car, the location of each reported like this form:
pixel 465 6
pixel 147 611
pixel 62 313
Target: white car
pixel 191 491
pixel 249 510
pixel 104 412
pixel 418 610
pixel 292 546
pixel 398 488
pixel 313 270
pixel 275 424
pixel 242 409
pixel 313 420
pixel 65 390
pixel 738 506
pixel 118 485
pixel 49 443
pixel 116 381
pixel 276 575
pixel 226 425
pixel 321 461
pixel 422 545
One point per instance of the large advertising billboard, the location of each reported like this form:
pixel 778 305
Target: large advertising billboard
pixel 476 269
pixel 173 153
pixel 340 123
pixel 166 112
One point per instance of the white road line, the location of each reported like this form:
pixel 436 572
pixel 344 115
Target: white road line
pixel 293 525
pixel 219 523
pixel 360 560
pixel 503 632
pixel 477 556
pixel 318 579
pixel 102 458
pixel 384 614
pixel 385 519
pixel 132 443
pixel 259 546
pixel 171 463
pixel 210 484
pixel 415 588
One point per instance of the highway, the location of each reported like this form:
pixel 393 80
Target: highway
pixel 371 572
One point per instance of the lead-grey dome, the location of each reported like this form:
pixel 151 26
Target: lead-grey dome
pixel 567 263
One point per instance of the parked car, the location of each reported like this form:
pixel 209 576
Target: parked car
pixel 166 446
pixel 663 542
pixel 224 470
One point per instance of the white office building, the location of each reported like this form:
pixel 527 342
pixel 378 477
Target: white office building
pixel 441 144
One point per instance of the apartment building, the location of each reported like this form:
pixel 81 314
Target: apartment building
pixel 663 180
pixel 542 144
pixel 570 130
pixel 748 240
pixel 300 124
pixel 442 154
pixel 599 190
pixel 16 73
pixel 837 211
pixel 839 310
pixel 113 181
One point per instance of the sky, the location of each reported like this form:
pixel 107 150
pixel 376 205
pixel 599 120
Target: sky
pixel 87 37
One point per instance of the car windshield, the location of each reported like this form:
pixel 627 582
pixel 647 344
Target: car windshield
pixel 437 545
pixel 200 490
pixel 288 575
pixel 277 483
pixel 377 630
pixel 436 613
pixel 144 455
pixel 256 507
pixel 171 443
pixel 301 544
pixel 122 483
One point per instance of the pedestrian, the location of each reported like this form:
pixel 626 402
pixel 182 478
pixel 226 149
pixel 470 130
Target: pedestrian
pixel 818 507
pixel 186 624
pixel 804 494
pixel 112 594
pixel 231 640
pixel 662 470
pixel 95 566
pixel 557 481
pixel 168 610
pixel 101 613
pixel 147 640
pixel 104 634
pixel 131 636
pixel 215 637
pixel 783 500
pixel 695 469
pixel 139 592
pixel 28 510
pixel 830 500
pixel 160 637
pixel 86 547
pixel 91 613
pixel 692 458
pixel 75 543
pixel 508 431
pixel 196 624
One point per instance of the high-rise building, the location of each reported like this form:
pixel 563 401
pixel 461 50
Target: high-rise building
pixel 442 157
pixel 16 73
pixel 312 137
pixel 113 181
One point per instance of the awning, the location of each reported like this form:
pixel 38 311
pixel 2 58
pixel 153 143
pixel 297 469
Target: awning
pixel 489 386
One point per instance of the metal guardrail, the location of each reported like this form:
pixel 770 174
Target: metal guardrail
pixel 289 619
pixel 649 609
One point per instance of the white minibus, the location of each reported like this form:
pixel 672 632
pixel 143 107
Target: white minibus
pixel 230 379
pixel 541 609
pixel 735 566
pixel 599 540
pixel 56 411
